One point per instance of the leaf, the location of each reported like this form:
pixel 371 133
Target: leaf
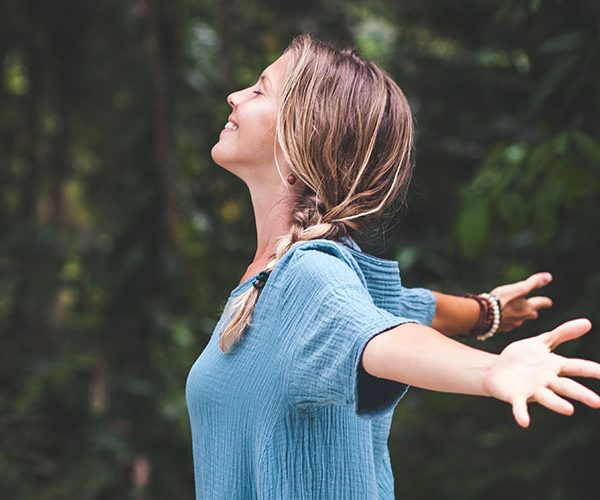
pixel 512 209
pixel 545 204
pixel 588 147
pixel 472 227
pixel 579 183
pixel 566 42
pixel 557 74
pixel 515 271
pixel 535 5
pixel 407 257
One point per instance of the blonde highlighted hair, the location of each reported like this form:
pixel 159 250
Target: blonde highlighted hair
pixel 346 131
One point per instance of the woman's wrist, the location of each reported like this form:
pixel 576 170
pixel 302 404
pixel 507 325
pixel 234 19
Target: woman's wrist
pixel 454 315
pixel 490 316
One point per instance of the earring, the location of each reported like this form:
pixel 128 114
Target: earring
pixel 291 178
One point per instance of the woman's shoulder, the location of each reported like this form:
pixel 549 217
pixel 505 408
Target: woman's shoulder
pixel 329 257
pixel 320 262
pixel 319 252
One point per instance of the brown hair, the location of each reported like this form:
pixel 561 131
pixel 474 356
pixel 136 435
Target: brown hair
pixel 346 130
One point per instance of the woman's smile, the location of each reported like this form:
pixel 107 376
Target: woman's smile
pixel 231 126
pixel 250 153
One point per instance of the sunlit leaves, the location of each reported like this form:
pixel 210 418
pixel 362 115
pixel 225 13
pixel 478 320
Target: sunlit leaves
pixel 16 80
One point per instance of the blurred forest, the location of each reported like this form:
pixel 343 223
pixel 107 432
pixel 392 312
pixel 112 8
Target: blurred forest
pixel 120 239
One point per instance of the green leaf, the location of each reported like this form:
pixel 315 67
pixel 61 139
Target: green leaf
pixel 472 227
pixel 535 5
pixel 566 42
pixel 556 75
pixel 407 257
pixel 588 147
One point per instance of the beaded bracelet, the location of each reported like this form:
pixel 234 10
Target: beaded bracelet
pixel 496 309
pixel 482 324
pixel 490 315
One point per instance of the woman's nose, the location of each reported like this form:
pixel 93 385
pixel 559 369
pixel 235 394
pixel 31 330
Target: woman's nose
pixel 234 98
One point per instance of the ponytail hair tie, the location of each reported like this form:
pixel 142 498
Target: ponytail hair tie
pixel 261 279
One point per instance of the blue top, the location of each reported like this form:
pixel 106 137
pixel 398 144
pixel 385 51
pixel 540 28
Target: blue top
pixel 290 413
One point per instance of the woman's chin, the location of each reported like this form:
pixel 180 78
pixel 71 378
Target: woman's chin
pixel 222 159
pixel 217 155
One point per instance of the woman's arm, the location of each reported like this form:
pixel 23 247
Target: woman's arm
pixel 525 371
pixel 456 315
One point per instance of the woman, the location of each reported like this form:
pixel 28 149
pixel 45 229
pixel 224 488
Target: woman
pixel 293 396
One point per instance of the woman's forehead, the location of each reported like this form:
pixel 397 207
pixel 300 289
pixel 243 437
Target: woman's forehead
pixel 276 70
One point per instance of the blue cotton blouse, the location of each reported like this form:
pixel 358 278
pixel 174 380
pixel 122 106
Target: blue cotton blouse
pixel 290 413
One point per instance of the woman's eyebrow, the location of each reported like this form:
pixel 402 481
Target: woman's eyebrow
pixel 265 78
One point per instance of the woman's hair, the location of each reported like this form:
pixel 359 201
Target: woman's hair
pixel 346 131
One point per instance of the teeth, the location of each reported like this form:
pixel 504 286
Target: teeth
pixel 231 126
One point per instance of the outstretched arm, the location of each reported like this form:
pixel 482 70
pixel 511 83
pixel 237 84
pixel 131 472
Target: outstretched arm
pixel 525 371
pixel 455 315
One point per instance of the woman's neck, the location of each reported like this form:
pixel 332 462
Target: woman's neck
pixel 272 216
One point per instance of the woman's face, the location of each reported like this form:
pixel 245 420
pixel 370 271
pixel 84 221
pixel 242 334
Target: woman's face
pixel 246 144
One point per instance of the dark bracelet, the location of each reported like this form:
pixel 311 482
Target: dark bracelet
pixel 483 322
pixel 490 315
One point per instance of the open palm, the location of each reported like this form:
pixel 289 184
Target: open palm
pixel 528 370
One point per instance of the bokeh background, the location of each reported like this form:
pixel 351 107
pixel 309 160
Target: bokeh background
pixel 120 239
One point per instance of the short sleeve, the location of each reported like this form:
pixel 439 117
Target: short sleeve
pixel 330 318
pixel 417 303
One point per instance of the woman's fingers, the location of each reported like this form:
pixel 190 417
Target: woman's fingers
pixel 519 409
pixel 539 302
pixel 575 390
pixel 522 288
pixel 580 368
pixel 550 400
pixel 567 331
pixel 537 280
pixel 550 396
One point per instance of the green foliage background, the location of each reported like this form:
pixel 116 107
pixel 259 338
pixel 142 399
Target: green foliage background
pixel 120 239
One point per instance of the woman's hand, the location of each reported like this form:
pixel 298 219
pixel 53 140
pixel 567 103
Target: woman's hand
pixel 516 308
pixel 528 370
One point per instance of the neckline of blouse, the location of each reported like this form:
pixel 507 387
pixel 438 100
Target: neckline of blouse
pixel 352 246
